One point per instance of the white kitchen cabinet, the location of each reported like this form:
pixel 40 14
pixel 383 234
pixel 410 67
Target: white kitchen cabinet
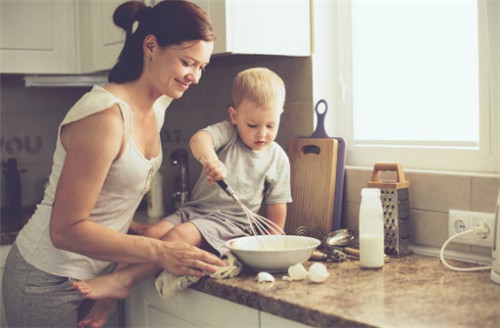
pixel 58 36
pixel 79 36
pixel 278 27
pixel 4 251
pixel 268 320
pixel 188 308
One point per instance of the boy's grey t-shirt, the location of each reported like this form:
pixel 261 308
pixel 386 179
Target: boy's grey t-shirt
pixel 256 178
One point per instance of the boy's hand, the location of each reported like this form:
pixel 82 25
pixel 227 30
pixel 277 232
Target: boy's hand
pixel 215 170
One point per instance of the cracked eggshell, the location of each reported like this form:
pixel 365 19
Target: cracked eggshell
pixel 263 277
pixel 318 272
pixel 297 272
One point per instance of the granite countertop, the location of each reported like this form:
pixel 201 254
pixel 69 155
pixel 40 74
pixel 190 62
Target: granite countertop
pixel 411 291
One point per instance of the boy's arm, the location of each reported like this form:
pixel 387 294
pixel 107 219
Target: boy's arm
pixel 201 144
pixel 277 214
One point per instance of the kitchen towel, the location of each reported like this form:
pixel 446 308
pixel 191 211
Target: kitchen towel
pixel 168 284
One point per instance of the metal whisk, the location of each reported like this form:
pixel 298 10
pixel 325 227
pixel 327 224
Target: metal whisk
pixel 259 225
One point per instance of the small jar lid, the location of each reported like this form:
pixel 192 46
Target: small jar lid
pixel 370 192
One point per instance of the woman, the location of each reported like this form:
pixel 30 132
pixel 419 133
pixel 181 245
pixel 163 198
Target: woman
pixel 107 151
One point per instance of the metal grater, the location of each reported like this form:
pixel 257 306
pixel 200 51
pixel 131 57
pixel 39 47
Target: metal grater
pixel 396 205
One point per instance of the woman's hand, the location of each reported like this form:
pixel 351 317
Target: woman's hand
pixel 180 258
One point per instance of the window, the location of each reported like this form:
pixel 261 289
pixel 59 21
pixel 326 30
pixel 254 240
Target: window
pixel 417 83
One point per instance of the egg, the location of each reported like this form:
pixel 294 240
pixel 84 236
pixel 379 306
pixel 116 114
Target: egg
pixel 263 277
pixel 318 272
pixel 297 272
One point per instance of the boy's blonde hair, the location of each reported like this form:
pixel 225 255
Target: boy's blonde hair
pixel 260 86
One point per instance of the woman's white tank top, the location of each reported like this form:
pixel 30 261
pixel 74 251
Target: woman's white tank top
pixel 126 183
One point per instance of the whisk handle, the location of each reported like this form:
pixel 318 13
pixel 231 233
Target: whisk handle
pixel 222 184
pixel 228 190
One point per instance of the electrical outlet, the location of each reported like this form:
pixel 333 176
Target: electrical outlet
pixel 460 221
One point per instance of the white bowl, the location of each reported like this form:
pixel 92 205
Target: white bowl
pixel 272 253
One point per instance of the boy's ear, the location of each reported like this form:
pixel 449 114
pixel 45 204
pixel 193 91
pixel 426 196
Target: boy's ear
pixel 232 114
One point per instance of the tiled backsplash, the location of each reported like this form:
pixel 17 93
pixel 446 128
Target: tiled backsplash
pixel 29 120
pixel 432 195
pixel 30 116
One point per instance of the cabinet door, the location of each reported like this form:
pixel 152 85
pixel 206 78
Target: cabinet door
pixel 188 308
pixel 100 39
pixel 268 320
pixel 58 37
pixel 217 10
pixel 37 36
pixel 278 27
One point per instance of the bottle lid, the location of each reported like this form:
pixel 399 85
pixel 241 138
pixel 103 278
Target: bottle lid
pixel 370 192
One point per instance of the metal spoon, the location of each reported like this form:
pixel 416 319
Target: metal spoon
pixel 337 241
pixel 340 237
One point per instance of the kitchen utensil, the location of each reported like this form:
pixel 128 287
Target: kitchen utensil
pixel 317 179
pixel 272 253
pixel 495 271
pixel 337 242
pixel 334 256
pixel 339 237
pixel 259 225
pixel 394 195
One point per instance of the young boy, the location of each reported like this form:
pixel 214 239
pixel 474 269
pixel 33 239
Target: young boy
pixel 244 154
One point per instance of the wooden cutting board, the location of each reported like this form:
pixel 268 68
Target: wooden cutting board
pixel 313 175
pixel 317 174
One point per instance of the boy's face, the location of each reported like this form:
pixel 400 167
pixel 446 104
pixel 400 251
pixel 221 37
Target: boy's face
pixel 257 126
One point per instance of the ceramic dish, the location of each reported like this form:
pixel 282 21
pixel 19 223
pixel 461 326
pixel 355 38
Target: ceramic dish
pixel 274 253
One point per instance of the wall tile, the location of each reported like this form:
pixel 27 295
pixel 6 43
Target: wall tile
pixel 296 121
pixel 355 180
pixel 484 193
pixel 429 228
pixel 350 216
pixel 439 192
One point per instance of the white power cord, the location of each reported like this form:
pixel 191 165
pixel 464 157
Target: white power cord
pixel 479 230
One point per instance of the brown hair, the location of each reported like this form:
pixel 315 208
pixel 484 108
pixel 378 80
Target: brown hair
pixel 170 21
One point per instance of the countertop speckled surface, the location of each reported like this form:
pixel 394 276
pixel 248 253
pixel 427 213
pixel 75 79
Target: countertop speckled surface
pixel 415 291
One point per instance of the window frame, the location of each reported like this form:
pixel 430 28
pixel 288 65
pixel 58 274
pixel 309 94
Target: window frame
pixel 338 56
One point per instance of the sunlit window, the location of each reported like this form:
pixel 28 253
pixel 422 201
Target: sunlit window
pixel 415 82
pixel 415 72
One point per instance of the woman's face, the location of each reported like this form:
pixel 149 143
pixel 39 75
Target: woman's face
pixel 174 68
